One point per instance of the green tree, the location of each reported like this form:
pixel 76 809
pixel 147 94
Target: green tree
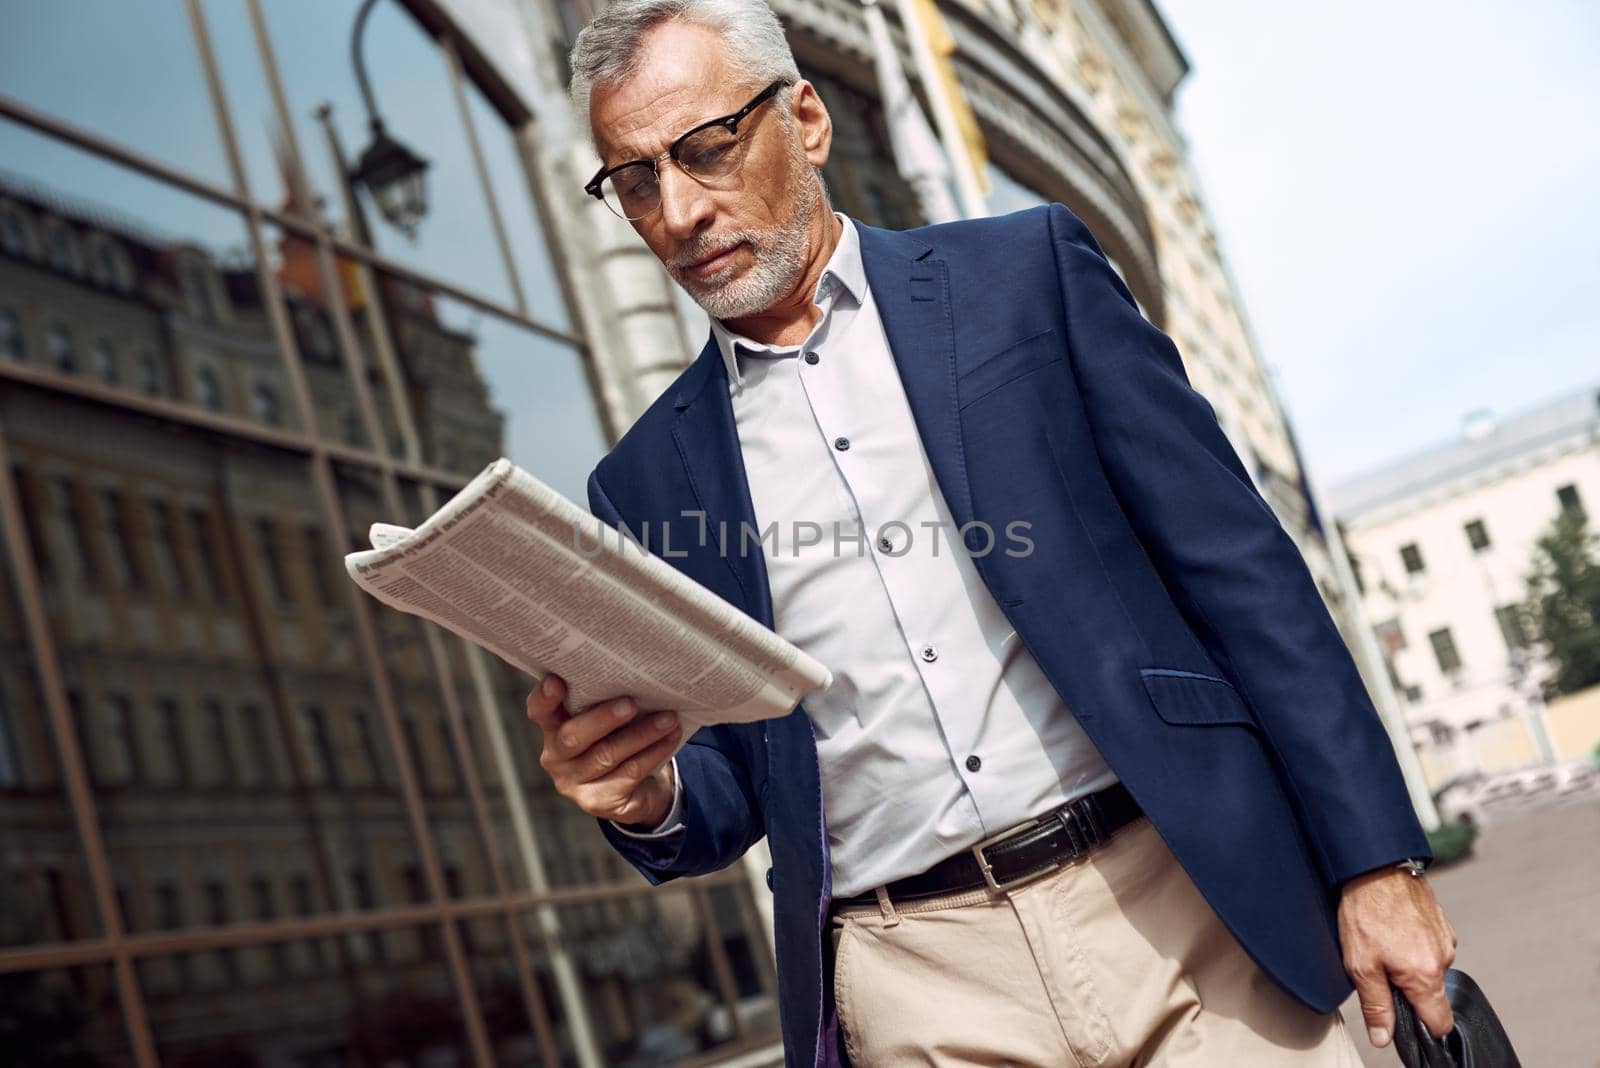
pixel 1563 604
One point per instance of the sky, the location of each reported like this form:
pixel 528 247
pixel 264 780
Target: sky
pixel 1408 195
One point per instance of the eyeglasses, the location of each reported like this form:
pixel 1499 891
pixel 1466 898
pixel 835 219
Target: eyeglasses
pixel 710 151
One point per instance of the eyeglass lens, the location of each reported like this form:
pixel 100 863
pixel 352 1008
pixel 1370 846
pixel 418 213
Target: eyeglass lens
pixel 634 191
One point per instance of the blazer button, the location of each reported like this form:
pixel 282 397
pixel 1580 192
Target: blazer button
pixel 841 443
pixel 974 763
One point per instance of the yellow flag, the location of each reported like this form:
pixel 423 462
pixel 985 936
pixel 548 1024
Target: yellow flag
pixel 944 46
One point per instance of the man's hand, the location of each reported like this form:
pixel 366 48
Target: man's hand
pixel 1394 931
pixel 609 761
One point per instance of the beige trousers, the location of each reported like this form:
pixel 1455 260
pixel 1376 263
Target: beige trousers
pixel 1114 960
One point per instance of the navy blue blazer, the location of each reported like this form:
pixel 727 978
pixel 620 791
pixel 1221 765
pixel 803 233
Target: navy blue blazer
pixel 1162 599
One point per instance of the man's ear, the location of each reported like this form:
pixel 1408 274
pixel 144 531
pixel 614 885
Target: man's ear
pixel 815 124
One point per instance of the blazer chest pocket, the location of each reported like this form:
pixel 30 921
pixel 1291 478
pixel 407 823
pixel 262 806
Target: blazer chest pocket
pixel 1007 365
pixel 1187 698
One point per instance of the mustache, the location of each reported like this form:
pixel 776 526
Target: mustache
pixel 709 245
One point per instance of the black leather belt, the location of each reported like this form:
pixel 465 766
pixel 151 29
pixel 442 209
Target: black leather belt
pixel 1021 853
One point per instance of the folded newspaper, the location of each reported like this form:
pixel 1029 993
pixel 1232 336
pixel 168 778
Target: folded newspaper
pixel 511 565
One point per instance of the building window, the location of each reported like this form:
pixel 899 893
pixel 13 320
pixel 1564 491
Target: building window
pixel 208 389
pixel 1477 535
pixel 1513 626
pixel 10 766
pixel 1391 636
pixel 71 515
pixel 14 230
pixel 118 529
pixel 122 741
pixel 221 743
pixel 59 343
pixel 205 548
pixel 196 283
pixel 1444 650
pixel 1570 502
pixel 1414 695
pixel 368 741
pixel 164 536
pixel 169 907
pixel 271 562
pixel 361 886
pixel 12 347
pixel 171 716
pixel 217 916
pixel 1411 557
pixel 149 375
pixel 317 558
pixel 104 360
pixel 262 758
pixel 266 909
pixel 324 761
pixel 59 248
pixel 265 406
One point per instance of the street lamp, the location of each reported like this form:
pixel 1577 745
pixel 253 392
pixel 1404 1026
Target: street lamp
pixel 394 175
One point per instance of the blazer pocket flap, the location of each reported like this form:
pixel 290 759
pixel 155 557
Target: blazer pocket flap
pixel 1015 360
pixel 1190 699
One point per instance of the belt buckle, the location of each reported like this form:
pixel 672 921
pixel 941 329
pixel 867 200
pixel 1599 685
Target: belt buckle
pixel 1062 815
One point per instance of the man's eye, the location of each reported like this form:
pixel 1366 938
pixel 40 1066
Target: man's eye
pixel 707 157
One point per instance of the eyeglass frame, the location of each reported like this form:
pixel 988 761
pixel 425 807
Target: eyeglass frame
pixel 730 121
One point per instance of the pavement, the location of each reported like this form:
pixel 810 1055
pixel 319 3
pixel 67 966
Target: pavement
pixel 1526 909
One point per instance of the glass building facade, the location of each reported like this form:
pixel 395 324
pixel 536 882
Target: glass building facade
pixel 248 817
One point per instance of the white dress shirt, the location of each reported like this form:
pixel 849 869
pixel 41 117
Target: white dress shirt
pixel 939 729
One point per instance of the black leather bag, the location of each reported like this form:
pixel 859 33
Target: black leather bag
pixel 1478 1040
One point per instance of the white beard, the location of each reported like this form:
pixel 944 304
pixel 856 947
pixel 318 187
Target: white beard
pixel 780 259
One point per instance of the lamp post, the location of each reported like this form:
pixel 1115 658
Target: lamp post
pixel 394 175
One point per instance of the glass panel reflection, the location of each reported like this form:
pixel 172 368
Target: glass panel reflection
pixel 44 884
pixel 381 997
pixel 644 969
pixel 502 158
pixel 517 1023
pixel 133 284
pixel 480 388
pixel 424 719
pixel 64 1016
pixel 147 89
pixel 218 700
pixel 311 39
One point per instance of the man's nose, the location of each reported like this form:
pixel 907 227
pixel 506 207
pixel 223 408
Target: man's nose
pixel 685 204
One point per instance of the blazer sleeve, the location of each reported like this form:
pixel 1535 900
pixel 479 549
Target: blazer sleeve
pixel 720 815
pixel 1231 568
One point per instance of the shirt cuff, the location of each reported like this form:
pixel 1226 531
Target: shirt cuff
pixel 673 823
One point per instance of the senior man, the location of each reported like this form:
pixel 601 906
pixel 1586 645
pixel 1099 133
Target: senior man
pixel 1096 781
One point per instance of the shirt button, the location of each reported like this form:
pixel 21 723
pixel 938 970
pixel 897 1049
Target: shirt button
pixel 929 653
pixel 841 443
pixel 974 763
pixel 812 357
pixel 885 544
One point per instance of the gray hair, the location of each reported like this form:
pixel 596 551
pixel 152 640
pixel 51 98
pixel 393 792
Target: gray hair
pixel 607 51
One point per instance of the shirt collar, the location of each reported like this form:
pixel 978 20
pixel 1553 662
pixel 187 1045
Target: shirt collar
pixel 845 275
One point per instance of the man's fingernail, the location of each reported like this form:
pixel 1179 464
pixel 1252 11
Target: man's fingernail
pixel 663 721
pixel 548 686
pixel 621 710
pixel 1380 1036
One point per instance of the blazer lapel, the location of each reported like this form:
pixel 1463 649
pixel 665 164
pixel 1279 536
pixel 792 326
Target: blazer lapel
pixel 912 292
pixel 708 444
